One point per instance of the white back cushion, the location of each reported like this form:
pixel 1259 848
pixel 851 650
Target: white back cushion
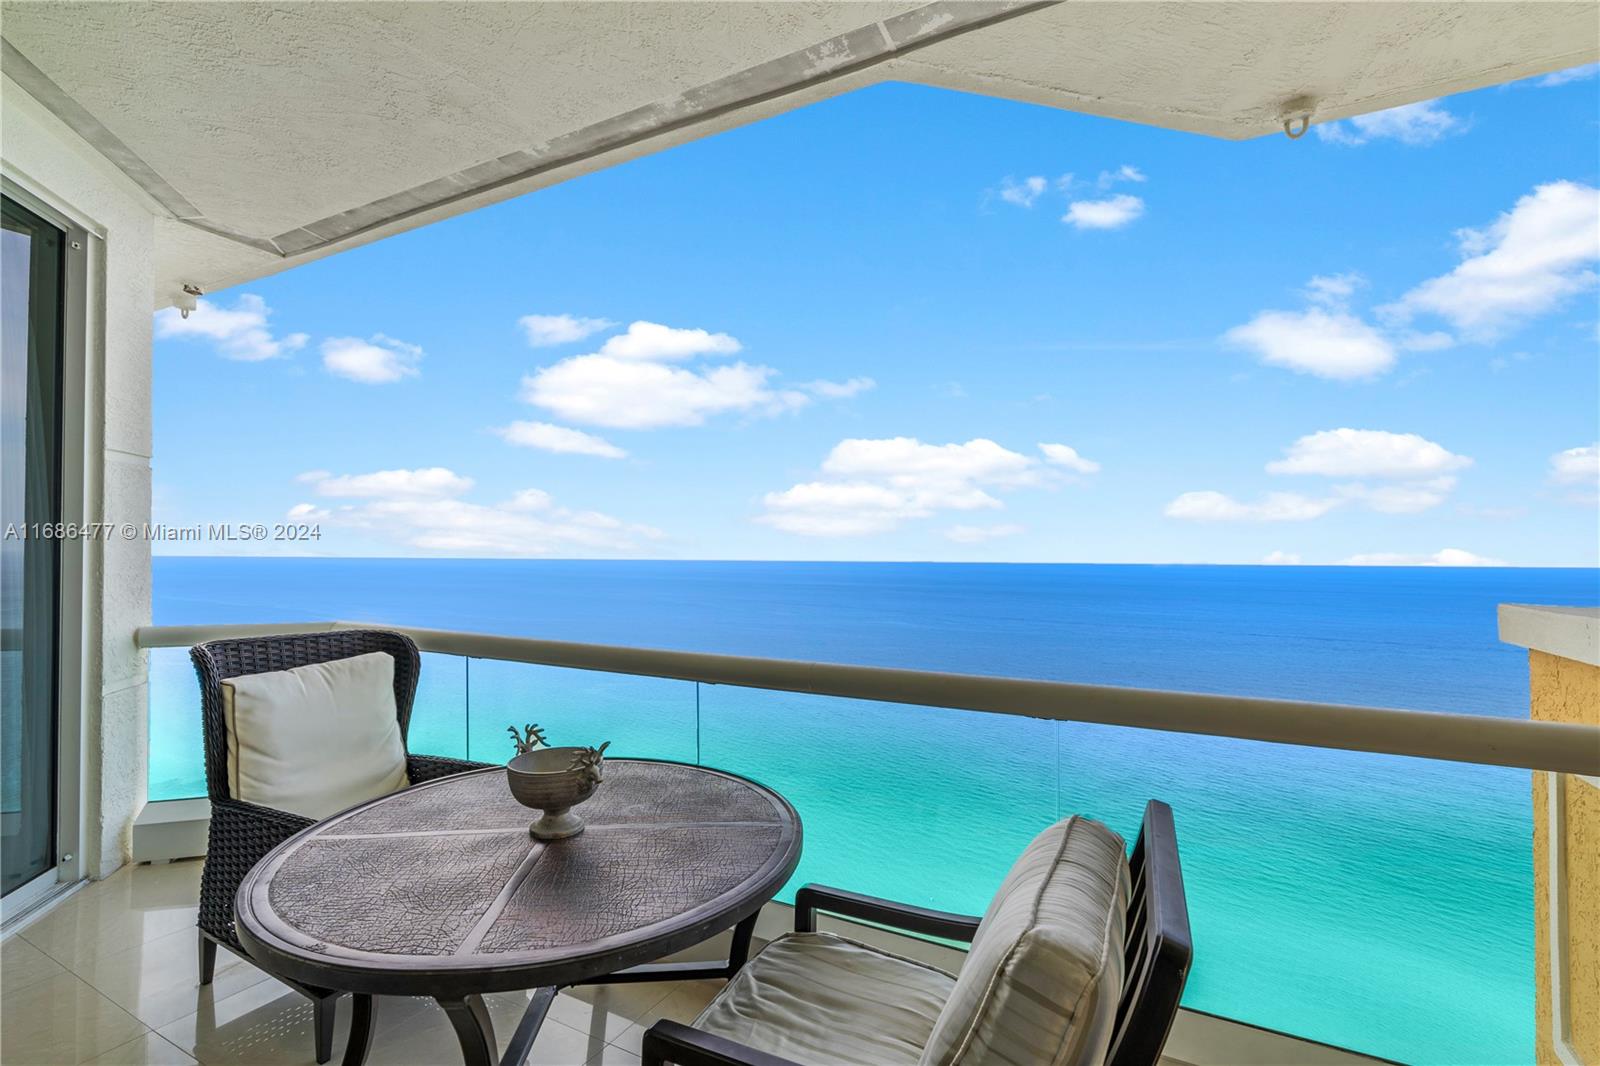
pixel 1041 983
pixel 315 739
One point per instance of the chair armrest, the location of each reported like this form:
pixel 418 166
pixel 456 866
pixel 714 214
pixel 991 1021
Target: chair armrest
pixel 420 768
pixel 281 821
pixel 813 898
pixel 668 1041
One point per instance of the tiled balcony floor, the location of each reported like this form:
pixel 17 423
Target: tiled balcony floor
pixel 109 976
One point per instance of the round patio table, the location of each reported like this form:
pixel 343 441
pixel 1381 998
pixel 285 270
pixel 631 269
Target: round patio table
pixel 438 890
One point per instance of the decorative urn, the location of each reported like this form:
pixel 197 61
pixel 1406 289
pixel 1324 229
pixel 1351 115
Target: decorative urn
pixel 553 780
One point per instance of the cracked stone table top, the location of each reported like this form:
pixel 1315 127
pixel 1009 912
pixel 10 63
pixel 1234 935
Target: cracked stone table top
pixel 438 889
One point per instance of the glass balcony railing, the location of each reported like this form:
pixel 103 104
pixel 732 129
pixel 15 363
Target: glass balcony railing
pixel 1375 902
pixel 177 758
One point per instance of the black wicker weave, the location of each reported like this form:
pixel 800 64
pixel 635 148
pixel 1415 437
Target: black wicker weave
pixel 242 833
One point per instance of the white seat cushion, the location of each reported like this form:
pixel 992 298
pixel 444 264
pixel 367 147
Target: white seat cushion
pixel 315 739
pixel 823 1000
pixel 1041 983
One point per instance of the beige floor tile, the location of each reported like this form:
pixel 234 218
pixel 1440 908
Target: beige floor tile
pixel 22 964
pixel 266 1023
pixel 135 905
pixel 631 1001
pixel 61 1020
pixel 683 1003
pixel 159 981
pixel 147 1050
pixel 426 1038
pixel 604 1012
pixel 614 1056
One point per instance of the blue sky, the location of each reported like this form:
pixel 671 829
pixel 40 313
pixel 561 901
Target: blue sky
pixel 909 323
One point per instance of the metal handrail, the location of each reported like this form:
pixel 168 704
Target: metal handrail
pixel 1559 747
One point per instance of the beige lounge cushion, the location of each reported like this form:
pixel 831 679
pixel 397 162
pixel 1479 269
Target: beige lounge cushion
pixel 823 1000
pixel 1041 983
pixel 315 739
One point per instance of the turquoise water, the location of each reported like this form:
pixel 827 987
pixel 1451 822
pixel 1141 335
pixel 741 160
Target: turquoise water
pixel 1374 902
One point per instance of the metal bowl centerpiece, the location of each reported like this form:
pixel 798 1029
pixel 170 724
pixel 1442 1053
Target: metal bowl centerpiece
pixel 553 780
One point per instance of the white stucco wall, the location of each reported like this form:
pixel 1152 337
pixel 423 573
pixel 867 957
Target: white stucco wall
pixel 47 159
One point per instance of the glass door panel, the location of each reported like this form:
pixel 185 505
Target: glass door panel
pixel 31 272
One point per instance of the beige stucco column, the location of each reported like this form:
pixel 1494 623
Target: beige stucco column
pixel 1564 681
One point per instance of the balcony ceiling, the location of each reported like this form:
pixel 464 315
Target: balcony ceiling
pixel 268 133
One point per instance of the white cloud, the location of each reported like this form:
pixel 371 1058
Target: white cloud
pixel 1576 466
pixel 908 462
pixel 841 509
pixel 1526 263
pixel 651 340
pixel 1367 453
pixel 422 509
pixel 1273 507
pixel 1412 498
pixel 425 483
pixel 239 332
pixel 1329 344
pixel 1571 74
pixel 627 384
pixel 880 484
pixel 632 394
pixel 307 512
pixel 1126 172
pixel 1417 472
pixel 1281 558
pixel 378 361
pixel 839 390
pixel 1523 264
pixel 1443 557
pixel 1334 290
pixel 983 534
pixel 1065 456
pixel 1110 213
pixel 559 439
pixel 546 330
pixel 1022 193
pixel 1414 124
pixel 1432 341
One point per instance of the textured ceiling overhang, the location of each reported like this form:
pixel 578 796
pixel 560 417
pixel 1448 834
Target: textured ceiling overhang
pixel 267 134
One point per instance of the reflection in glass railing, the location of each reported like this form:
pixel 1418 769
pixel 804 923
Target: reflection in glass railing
pixel 439 712
pixel 641 716
pixel 177 756
pixel 1372 902
pixel 918 804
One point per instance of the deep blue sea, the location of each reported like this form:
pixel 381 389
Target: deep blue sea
pixel 1374 902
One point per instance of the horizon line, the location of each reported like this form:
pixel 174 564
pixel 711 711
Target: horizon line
pixel 880 562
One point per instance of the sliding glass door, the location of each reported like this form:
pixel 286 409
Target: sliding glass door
pixel 32 258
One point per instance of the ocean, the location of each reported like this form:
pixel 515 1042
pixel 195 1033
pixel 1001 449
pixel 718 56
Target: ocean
pixel 1379 903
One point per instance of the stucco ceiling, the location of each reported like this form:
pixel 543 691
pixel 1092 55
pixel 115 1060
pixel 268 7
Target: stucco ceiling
pixel 270 133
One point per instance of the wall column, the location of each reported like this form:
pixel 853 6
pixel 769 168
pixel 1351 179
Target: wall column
pixel 1564 686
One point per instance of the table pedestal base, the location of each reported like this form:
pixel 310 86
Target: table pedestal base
pixel 362 1017
pixel 475 1029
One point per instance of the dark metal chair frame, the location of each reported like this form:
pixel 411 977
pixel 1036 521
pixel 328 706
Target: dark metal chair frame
pixel 1157 955
pixel 242 833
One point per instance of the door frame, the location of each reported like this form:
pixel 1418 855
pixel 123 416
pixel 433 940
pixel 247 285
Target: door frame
pixel 83 271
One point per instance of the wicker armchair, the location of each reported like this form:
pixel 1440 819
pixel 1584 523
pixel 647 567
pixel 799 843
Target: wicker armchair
pixel 242 833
